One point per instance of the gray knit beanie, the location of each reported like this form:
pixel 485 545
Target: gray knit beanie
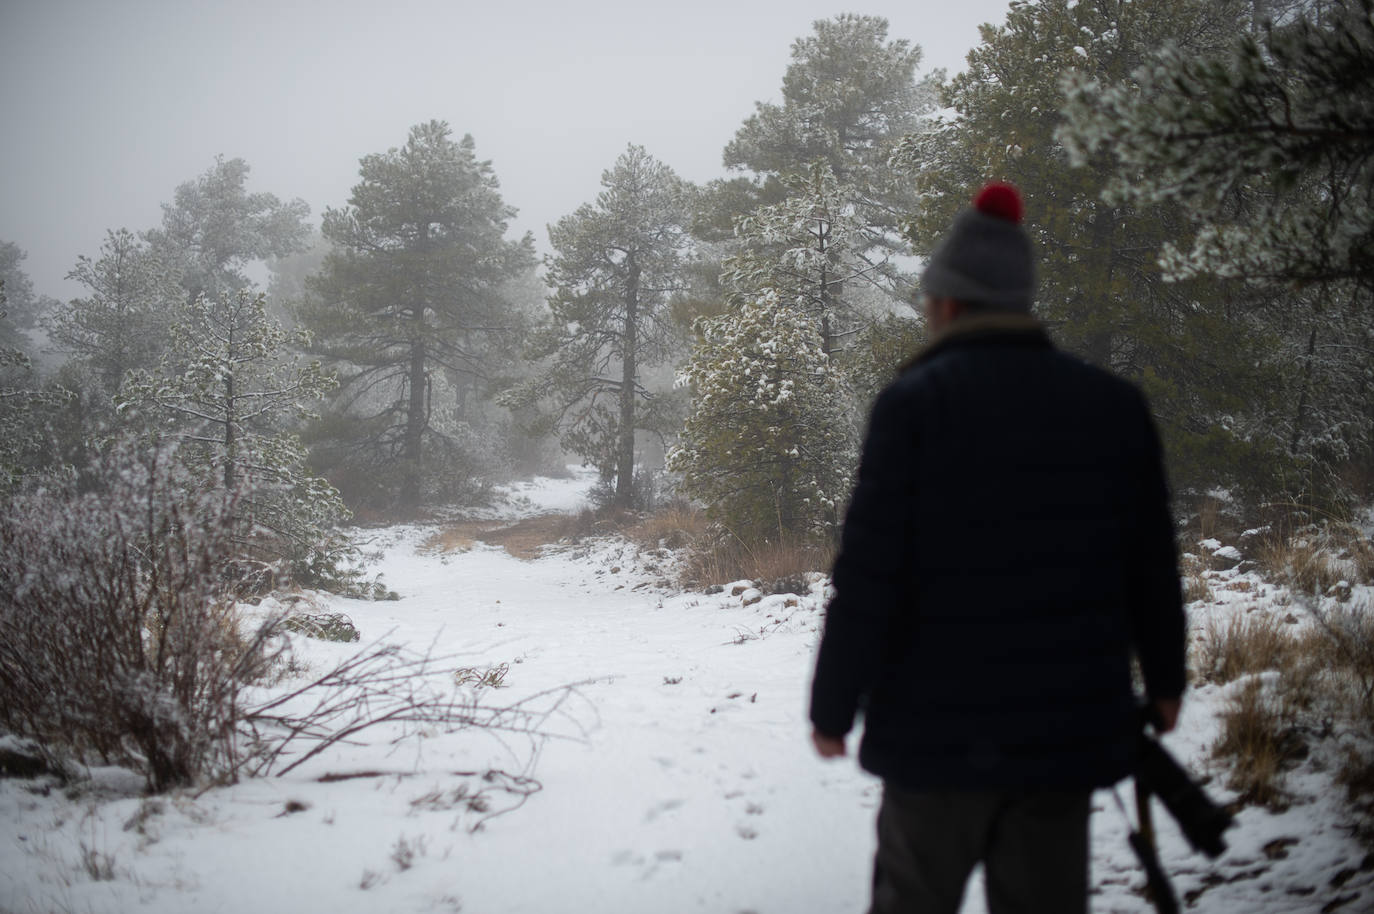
pixel 986 257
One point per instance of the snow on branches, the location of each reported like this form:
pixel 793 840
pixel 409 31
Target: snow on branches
pixel 769 443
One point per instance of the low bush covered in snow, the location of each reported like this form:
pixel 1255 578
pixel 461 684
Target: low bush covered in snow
pixel 118 637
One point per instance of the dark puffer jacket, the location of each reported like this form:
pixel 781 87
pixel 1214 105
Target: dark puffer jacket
pixel 1008 548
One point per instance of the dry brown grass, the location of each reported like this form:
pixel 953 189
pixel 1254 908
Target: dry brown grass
pixel 1195 584
pixel 525 539
pixel 1209 516
pixel 775 567
pixel 1260 739
pixel 1299 562
pixel 1242 645
pixel 1321 677
pixel 676 525
pixel 1317 558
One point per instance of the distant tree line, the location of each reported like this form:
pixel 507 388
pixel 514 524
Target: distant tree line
pixel 1198 181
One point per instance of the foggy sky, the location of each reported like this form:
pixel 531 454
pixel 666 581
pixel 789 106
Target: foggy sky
pixel 107 106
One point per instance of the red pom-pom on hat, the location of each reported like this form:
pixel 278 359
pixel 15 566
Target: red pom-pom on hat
pixel 1001 200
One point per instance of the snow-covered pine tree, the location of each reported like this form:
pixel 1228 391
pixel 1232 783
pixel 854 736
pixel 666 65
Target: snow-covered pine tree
pixel 23 307
pixel 121 324
pixel 814 250
pixel 214 228
pixel 769 444
pixel 1264 144
pixel 229 389
pixel 25 439
pixel 1100 289
pixel 849 95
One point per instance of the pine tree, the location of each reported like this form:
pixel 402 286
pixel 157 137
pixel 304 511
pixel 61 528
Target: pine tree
pixel 122 323
pixel 815 251
pixel 848 96
pixel 214 228
pixel 23 307
pixel 229 390
pixel 25 440
pixel 768 445
pixel 1100 288
pixel 616 266
pixel 1264 144
pixel 412 300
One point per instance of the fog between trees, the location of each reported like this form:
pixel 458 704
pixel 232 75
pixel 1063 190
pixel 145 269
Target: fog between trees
pixel 1197 185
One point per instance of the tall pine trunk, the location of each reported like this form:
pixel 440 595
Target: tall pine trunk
pixel 230 417
pixel 415 420
pixel 625 450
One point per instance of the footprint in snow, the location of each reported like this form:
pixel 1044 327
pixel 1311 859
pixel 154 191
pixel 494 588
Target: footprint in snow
pixel 659 809
pixel 646 866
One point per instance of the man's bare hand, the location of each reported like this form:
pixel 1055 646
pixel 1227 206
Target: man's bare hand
pixel 1167 711
pixel 828 746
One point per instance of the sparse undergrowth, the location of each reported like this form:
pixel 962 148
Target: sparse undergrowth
pixel 775 567
pixel 1321 560
pixel 1303 680
pixel 712 556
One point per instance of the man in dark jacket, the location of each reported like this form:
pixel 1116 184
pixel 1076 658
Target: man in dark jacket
pixel 1007 551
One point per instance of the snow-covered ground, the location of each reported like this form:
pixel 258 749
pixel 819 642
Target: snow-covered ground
pixel 675 773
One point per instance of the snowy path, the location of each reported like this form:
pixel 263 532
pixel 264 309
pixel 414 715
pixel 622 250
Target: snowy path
pixel 687 784
pixel 694 789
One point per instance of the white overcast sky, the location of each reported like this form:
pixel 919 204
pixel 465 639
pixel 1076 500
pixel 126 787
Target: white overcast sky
pixel 107 105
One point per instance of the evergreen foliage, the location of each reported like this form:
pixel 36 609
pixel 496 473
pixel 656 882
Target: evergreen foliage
pixel 814 250
pixel 1192 346
pixel 848 97
pixel 214 228
pixel 228 389
pixel 815 232
pixel 1265 144
pixel 877 353
pixel 769 444
pixel 413 309
pixel 617 264
pixel 22 306
pixel 26 439
pixel 123 322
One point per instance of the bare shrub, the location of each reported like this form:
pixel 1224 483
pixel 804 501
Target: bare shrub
pixel 384 686
pixel 1350 658
pixel 116 634
pixel 118 640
